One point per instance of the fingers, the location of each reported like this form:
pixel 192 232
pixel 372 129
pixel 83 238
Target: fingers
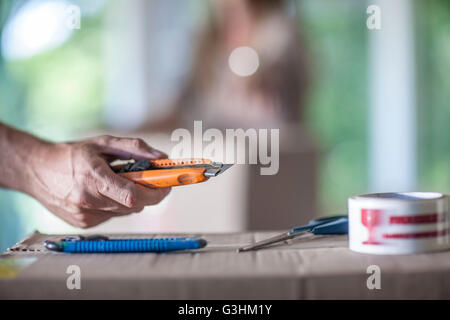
pixel 148 196
pixel 85 218
pixel 128 148
pixel 91 218
pixel 97 201
pixel 126 192
pixel 115 188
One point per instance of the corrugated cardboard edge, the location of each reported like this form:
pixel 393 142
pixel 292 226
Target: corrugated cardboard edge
pixel 23 245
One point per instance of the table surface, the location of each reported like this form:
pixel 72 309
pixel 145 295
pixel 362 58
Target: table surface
pixel 314 267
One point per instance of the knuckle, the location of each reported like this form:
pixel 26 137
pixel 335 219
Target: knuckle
pixel 78 210
pixel 113 140
pixel 138 143
pixel 82 200
pixel 83 225
pixel 85 202
pixel 102 187
pixel 75 209
pixel 80 216
pixel 104 138
pixel 83 220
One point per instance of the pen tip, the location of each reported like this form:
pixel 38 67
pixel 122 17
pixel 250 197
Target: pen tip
pixel 202 243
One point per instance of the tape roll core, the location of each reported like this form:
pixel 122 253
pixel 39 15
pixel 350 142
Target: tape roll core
pixel 399 223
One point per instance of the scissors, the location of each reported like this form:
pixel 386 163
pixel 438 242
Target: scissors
pixel 322 226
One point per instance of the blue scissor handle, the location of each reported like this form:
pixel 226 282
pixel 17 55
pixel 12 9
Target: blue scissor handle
pixel 317 222
pixel 339 226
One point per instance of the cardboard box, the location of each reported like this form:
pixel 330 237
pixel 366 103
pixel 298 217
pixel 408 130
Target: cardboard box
pixel 315 267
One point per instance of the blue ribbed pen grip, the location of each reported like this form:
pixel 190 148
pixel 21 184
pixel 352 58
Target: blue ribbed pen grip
pixel 133 245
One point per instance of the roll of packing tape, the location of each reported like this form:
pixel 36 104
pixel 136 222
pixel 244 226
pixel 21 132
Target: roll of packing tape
pixel 399 223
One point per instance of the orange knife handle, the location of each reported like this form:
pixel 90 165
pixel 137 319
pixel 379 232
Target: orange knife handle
pixel 167 177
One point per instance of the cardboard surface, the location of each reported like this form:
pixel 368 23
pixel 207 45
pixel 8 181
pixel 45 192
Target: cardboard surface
pixel 315 267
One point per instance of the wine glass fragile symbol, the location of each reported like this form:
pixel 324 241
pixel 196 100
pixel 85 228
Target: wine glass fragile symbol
pixel 370 219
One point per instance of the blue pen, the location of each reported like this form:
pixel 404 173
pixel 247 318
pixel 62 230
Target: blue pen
pixel 321 226
pixel 101 244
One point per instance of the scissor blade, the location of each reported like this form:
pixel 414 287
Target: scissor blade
pixel 257 245
pixel 339 226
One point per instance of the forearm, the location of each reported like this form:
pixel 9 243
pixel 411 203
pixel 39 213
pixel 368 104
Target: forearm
pixel 18 151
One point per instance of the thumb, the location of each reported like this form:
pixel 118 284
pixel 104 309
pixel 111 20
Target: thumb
pixel 128 148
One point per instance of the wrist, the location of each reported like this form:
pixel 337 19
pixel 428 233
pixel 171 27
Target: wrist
pixel 17 152
pixel 36 163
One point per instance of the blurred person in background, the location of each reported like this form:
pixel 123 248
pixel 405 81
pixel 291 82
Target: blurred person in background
pixel 250 69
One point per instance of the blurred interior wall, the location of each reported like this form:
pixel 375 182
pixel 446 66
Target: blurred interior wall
pixel 149 49
pixel 392 116
pixel 127 52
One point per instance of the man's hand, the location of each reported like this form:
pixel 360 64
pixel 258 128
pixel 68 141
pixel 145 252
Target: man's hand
pixel 75 182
